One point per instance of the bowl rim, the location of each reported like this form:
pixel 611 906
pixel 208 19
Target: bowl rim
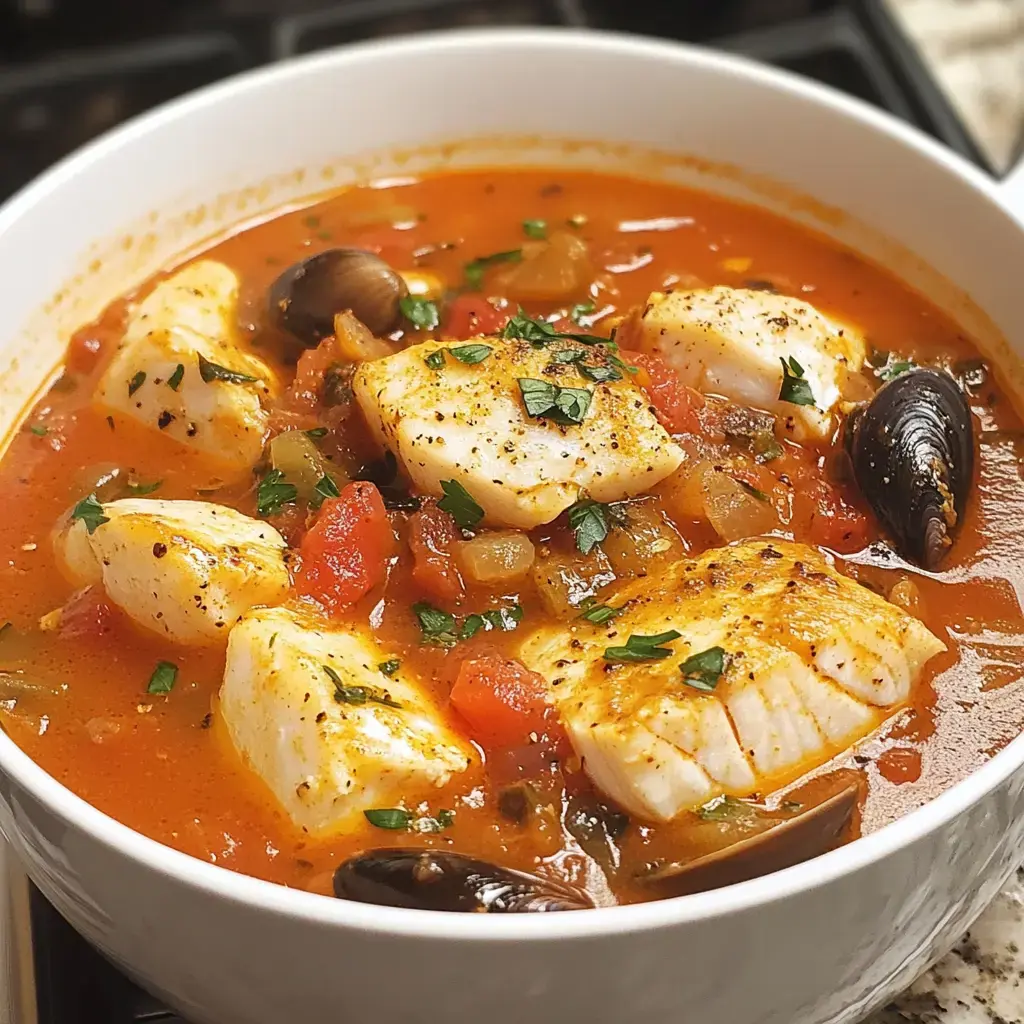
pixel 279 900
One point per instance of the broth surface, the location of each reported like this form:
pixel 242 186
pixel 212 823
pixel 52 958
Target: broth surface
pixel 77 700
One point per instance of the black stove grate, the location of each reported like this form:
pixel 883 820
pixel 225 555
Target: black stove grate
pixel 74 70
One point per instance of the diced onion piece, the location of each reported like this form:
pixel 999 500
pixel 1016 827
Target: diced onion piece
pixel 295 455
pixel 552 271
pixel 423 284
pixel 566 580
pixel 356 343
pixel 643 543
pixel 497 557
pixel 907 595
pixel 683 491
pixel 733 511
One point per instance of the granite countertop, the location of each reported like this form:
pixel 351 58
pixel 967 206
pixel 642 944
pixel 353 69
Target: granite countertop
pixel 976 49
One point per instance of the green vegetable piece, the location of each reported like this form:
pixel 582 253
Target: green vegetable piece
pixel 163 678
pixel 643 648
pixel 90 511
pixel 460 505
pixel 702 671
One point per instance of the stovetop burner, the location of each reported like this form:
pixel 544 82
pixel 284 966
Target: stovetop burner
pixel 69 71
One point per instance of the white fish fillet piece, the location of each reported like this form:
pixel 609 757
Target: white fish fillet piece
pixel 816 662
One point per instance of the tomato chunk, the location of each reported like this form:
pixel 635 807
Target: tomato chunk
pixel 345 554
pixel 472 315
pixel 676 406
pixel 502 700
pixel 835 523
pixel 86 615
pixel 432 537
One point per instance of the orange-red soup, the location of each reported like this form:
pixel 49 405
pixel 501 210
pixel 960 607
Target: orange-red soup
pixel 76 697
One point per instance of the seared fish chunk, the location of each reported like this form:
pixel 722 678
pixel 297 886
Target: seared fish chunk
pixel 813 662
pixel 185 569
pixel 470 423
pixel 184 329
pixel 731 342
pixel 331 736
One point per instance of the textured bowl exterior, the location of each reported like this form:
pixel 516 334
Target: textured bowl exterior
pixel 822 943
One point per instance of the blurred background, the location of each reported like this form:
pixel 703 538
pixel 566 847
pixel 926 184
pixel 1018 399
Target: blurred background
pixel 70 69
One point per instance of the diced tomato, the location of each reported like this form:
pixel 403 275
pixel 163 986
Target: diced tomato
pixel 471 315
pixel 676 406
pixel 432 537
pixel 345 554
pixel 834 522
pixel 502 701
pixel 86 615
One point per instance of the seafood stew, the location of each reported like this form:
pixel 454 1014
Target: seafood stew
pixel 514 540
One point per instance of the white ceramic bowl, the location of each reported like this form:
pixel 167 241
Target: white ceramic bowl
pixel 822 942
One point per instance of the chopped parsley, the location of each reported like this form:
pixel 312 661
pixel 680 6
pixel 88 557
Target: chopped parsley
pixel 437 823
pixel 39 430
pixel 565 406
pixel 393 818
pixel 581 309
pixel 643 648
pixel 599 374
pixel 460 505
pixel 568 355
pixel 211 372
pixel 505 619
pixel 752 490
pixel 535 228
pixel 175 379
pixel 273 493
pixel 599 614
pixel 163 678
pixel 702 671
pixel 139 489
pixel 439 627
pixel 315 433
pixel 435 360
pixel 795 387
pixel 325 488
pixel 474 270
pixel 540 333
pixel 136 382
pixel 894 368
pixel 90 511
pixel 389 667
pixel 591 522
pixel 420 311
pixel 471 354
pixel 358 694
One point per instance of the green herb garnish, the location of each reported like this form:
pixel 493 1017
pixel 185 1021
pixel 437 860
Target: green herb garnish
pixel 540 333
pixel 581 309
pixel 565 406
pixel 315 433
pixel 568 355
pixel 419 311
pixel 437 626
pixel 358 694
pixel 795 388
pixel 389 667
pixel 175 379
pixel 211 372
pixel 471 354
pixel 894 368
pixel 136 382
pixel 474 270
pixel 39 430
pixel 90 511
pixel 163 678
pixel 702 671
pixel 599 614
pixel 599 374
pixel 535 228
pixel 591 522
pixel 393 818
pixel 435 360
pixel 325 488
pixel 273 493
pixel 139 489
pixel 505 619
pixel 438 823
pixel 643 648
pixel 752 490
pixel 460 505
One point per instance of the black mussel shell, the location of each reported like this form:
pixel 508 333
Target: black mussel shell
pixel 305 298
pixel 439 880
pixel 912 450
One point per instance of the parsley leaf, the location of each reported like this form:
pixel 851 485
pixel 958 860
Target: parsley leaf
pixel 540 333
pixel 599 614
pixel 437 626
pixel 535 228
pixel 315 433
pixel 211 372
pixel 643 648
pixel 90 511
pixel 435 360
pixel 140 488
pixel 444 819
pixel 163 678
pixel 273 493
pixel 325 488
pixel 136 382
pixel 393 818
pixel 795 388
pixel 568 355
pixel 39 430
pixel 474 270
pixel 581 309
pixel 505 619
pixel 752 490
pixel 460 505
pixel 389 667
pixel 358 694
pixel 419 311
pixel 175 379
pixel 599 374
pixel 894 368
pixel 702 671
pixel 471 354
pixel 591 522
pixel 565 406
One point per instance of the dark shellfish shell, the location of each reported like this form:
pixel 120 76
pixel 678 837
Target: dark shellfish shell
pixel 912 449
pixel 422 879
